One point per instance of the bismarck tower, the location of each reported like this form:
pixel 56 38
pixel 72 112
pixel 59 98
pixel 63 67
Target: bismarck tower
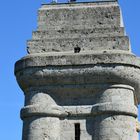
pixel 80 79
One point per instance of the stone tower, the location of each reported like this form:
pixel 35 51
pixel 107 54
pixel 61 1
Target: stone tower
pixel 80 79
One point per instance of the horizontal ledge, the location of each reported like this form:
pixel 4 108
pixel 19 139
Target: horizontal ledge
pixel 74 59
pixel 80 32
pixel 85 43
pixel 76 3
pixel 74 86
pixel 71 111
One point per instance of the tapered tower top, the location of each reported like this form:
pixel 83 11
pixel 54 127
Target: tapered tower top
pixel 72 20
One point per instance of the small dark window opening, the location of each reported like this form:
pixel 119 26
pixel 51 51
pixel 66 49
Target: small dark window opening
pixel 77 49
pixel 77 131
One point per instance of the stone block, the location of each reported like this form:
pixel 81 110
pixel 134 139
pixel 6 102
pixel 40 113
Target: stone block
pixel 85 44
pixel 68 16
pixel 78 33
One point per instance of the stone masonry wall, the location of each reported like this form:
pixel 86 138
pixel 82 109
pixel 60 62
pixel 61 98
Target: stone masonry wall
pixel 80 71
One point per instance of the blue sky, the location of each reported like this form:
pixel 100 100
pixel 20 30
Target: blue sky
pixel 17 21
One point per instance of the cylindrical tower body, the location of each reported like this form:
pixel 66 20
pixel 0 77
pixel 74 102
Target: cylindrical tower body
pixel 80 79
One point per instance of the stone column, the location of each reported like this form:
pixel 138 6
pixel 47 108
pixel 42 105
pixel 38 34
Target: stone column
pixel 40 117
pixel 80 70
pixel 116 114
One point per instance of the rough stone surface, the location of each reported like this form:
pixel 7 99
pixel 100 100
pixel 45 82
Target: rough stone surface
pixel 68 44
pixel 80 69
pixel 68 16
pixel 77 33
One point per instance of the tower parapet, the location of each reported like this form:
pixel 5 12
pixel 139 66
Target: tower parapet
pixel 80 79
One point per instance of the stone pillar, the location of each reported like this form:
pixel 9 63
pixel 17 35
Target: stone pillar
pixel 80 70
pixel 36 125
pixel 116 114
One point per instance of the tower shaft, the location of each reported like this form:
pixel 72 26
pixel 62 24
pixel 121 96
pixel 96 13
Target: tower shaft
pixel 80 79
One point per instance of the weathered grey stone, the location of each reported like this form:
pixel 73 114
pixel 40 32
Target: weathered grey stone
pixel 78 33
pixel 63 45
pixel 41 128
pixel 68 16
pixel 71 59
pixel 89 26
pixel 80 69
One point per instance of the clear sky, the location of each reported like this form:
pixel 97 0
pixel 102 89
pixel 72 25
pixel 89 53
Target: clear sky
pixel 18 18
